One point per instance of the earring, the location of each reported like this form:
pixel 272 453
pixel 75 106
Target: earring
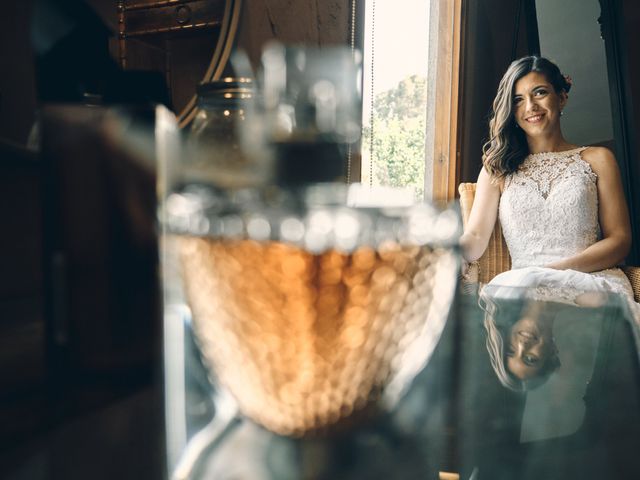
pixel 561 113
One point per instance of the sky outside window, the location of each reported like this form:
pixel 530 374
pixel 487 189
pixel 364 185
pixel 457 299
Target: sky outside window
pixel 396 43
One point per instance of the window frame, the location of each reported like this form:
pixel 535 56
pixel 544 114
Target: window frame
pixel 443 142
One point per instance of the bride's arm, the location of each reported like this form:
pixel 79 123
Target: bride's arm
pixel 613 215
pixel 482 218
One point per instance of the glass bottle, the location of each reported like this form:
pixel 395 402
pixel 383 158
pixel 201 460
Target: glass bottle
pixel 222 147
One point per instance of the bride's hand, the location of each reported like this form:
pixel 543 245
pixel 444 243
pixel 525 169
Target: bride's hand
pixel 469 272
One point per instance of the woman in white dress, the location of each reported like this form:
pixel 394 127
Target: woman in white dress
pixel 561 207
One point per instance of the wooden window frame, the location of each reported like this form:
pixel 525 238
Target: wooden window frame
pixel 442 154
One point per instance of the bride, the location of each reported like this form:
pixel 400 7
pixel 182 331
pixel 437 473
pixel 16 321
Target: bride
pixel 561 207
pixel 562 210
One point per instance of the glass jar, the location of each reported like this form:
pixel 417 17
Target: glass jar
pixel 222 147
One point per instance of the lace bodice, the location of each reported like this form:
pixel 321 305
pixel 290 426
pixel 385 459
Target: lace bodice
pixel 549 208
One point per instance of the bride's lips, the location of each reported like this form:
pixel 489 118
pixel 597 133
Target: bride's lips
pixel 535 118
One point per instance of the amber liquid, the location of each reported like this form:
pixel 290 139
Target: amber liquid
pixel 305 340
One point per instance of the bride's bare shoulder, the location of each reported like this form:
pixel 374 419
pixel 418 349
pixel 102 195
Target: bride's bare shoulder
pixel 599 158
pixel 489 181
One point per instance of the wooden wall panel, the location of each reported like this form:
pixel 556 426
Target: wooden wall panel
pixel 309 22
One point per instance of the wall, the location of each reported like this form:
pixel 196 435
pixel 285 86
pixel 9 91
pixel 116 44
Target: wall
pixel 309 22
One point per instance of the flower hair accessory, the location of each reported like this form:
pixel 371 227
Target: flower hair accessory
pixel 569 81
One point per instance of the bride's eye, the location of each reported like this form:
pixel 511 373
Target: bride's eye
pixel 517 100
pixel 540 92
pixel 530 360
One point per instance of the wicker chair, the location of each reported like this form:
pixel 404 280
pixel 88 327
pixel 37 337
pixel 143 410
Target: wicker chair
pixel 496 258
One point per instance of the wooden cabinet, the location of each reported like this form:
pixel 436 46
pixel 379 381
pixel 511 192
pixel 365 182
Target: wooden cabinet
pixel 188 40
pixel 170 16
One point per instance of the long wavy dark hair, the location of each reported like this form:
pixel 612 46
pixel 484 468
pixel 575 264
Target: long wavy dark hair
pixel 507 146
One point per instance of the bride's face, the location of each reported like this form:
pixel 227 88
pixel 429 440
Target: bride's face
pixel 530 348
pixel 536 105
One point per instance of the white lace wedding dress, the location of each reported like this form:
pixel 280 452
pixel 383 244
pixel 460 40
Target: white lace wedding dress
pixel 549 211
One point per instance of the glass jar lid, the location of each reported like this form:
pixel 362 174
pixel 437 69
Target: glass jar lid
pixel 227 88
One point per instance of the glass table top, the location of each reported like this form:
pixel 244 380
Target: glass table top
pixel 517 387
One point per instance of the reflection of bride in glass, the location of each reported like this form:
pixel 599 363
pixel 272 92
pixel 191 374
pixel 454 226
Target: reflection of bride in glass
pixel 520 341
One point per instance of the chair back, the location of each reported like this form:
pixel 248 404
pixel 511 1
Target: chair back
pixel 633 274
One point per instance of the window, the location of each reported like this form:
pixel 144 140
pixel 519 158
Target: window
pixel 410 53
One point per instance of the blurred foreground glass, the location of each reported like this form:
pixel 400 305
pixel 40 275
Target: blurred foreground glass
pixel 312 106
pixel 310 314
